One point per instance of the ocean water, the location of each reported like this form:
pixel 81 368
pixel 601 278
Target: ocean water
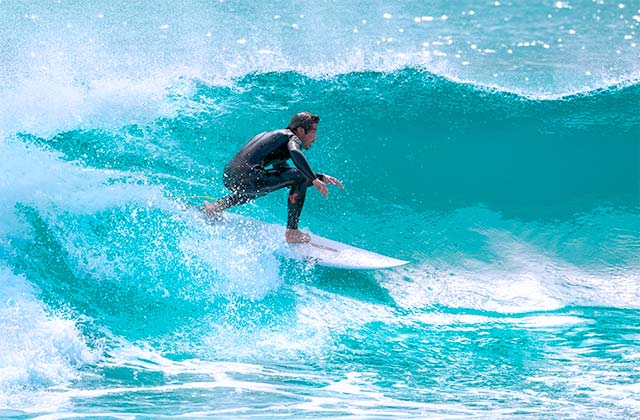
pixel 493 144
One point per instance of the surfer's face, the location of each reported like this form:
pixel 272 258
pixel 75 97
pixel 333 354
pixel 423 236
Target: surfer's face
pixel 308 137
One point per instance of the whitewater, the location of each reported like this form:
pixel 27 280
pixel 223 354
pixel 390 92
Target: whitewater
pixel 495 145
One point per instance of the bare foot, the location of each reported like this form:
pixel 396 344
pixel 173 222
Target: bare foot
pixel 212 210
pixel 294 236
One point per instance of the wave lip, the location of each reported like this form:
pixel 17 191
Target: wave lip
pixel 46 107
pixel 66 67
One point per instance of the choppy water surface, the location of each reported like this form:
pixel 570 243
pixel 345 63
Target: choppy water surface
pixel 494 145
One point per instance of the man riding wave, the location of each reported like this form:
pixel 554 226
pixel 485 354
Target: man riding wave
pixel 261 167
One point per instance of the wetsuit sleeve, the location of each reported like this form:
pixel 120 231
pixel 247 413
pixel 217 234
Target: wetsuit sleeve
pixel 299 160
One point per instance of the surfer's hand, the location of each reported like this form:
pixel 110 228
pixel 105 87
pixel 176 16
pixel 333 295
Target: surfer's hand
pixel 333 181
pixel 322 187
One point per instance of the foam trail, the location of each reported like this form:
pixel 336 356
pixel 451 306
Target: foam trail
pixel 520 278
pixel 38 348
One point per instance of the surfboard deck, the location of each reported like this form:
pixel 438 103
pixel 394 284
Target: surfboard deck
pixel 329 253
pixel 321 251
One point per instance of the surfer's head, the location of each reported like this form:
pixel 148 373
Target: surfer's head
pixel 305 126
pixel 305 120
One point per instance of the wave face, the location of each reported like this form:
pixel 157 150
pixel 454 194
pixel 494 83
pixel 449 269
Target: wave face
pixel 495 146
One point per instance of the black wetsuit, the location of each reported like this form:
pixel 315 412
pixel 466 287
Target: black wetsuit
pixel 260 167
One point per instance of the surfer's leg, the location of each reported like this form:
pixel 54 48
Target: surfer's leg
pixel 294 179
pixel 243 189
pixel 234 199
pixel 266 182
pixel 295 203
pixel 274 179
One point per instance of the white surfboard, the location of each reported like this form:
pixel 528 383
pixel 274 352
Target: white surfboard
pixel 330 253
pixel 321 251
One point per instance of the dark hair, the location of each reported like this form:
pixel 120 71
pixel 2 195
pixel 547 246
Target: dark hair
pixel 304 120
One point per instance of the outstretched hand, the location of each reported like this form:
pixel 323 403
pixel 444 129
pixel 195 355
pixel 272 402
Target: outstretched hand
pixel 333 181
pixel 321 186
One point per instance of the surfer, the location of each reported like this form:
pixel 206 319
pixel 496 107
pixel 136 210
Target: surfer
pixel 261 167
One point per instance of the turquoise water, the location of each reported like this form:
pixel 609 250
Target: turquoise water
pixel 494 145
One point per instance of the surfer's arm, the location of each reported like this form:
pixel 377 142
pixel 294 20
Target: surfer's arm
pixel 300 160
pixel 319 181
